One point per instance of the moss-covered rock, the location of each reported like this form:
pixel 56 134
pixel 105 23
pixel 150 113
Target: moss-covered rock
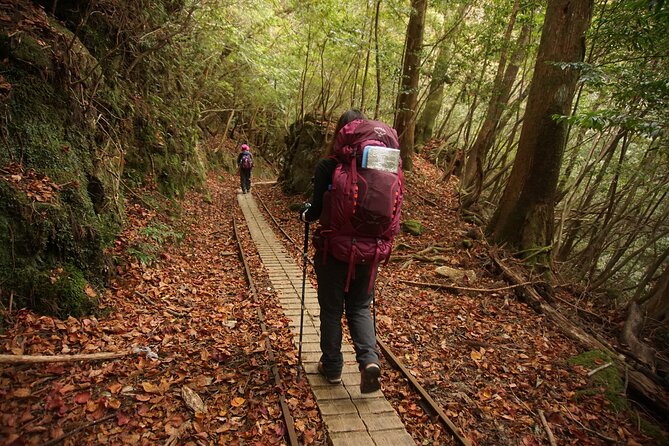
pixel 305 144
pixel 413 227
pixel 607 380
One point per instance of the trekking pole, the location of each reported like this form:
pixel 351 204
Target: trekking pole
pixel 374 311
pixel 305 254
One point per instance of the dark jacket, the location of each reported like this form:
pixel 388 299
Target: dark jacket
pixel 322 182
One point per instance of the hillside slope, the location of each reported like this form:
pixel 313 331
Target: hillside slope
pixel 76 137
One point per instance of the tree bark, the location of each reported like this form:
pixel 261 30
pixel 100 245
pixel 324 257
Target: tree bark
pixel 377 105
pixel 657 301
pixel 405 122
pixel 473 173
pixel 524 218
pixel 435 95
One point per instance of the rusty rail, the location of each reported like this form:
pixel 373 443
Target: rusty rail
pixel 287 417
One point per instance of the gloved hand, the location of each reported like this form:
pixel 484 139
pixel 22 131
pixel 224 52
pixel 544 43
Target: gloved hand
pixel 303 211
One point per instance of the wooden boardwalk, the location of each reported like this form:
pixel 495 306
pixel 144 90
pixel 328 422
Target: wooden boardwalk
pixel 350 417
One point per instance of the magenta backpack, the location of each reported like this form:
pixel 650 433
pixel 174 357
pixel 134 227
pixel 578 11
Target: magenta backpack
pixel 361 211
pixel 247 161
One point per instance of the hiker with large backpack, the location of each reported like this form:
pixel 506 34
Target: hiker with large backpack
pixel 245 164
pixel 358 208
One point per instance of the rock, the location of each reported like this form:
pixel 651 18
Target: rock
pixel 305 145
pixel 460 277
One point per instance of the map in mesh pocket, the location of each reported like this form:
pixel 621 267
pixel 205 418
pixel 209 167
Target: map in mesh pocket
pixel 381 158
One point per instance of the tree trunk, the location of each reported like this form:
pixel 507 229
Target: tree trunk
pixel 435 95
pixel 368 52
pixel 407 96
pixel 657 301
pixel 473 173
pixel 377 105
pixel 524 217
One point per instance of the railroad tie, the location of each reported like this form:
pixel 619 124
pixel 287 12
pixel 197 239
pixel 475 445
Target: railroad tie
pixel 351 418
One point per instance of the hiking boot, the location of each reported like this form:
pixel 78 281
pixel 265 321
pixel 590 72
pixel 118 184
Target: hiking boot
pixel 369 378
pixel 332 379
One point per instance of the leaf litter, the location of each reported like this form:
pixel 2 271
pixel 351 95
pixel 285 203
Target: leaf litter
pixel 491 363
pixel 199 372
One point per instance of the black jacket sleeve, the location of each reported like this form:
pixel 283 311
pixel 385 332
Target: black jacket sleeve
pixel 322 181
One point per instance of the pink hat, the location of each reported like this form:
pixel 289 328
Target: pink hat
pixel 244 147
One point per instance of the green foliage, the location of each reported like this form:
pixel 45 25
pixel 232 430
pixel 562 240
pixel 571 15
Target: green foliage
pixel 144 253
pixel 147 248
pixel 654 431
pixel 160 233
pixel 66 288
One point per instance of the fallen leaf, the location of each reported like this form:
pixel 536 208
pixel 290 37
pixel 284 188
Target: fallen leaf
pixel 237 401
pixel 113 403
pixel 150 387
pixel 22 392
pixel 91 406
pixel 82 398
pixel 90 292
pixel 193 400
pixel 122 419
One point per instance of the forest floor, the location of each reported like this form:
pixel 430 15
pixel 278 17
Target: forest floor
pixel 195 369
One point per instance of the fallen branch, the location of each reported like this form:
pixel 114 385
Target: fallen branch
pixel 595 315
pixel 602 436
pixel 460 288
pixel 430 202
pixel 34 359
pixel 601 367
pixel 79 429
pixel 551 438
pixel 421 258
pixel 152 303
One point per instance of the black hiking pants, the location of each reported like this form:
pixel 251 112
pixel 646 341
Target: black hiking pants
pixel 245 179
pixel 333 301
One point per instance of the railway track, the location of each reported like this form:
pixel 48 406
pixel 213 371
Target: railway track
pixel 427 400
pixel 285 410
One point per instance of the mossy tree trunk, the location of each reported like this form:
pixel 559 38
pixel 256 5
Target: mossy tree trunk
pixel 407 97
pixel 440 77
pixel 524 217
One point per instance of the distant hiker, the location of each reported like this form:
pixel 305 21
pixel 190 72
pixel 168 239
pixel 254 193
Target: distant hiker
pixel 245 164
pixel 358 210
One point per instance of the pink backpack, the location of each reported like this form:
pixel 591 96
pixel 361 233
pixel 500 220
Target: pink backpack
pixel 361 211
pixel 247 161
